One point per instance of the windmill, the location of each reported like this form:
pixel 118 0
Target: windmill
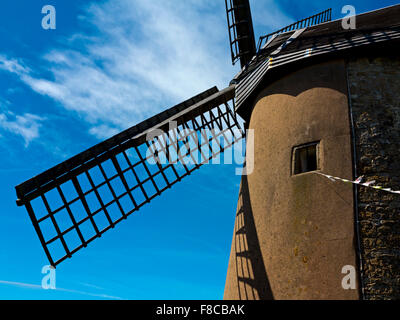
pixel 114 179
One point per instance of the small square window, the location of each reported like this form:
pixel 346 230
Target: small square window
pixel 305 158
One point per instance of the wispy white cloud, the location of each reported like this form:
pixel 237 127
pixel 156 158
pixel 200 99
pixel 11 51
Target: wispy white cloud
pixel 103 131
pixel 26 125
pixel 89 285
pixel 155 54
pixel 38 287
pixel 12 65
pixel 21 284
pixel 268 16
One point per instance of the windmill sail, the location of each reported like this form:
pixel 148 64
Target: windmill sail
pixel 241 32
pixel 78 200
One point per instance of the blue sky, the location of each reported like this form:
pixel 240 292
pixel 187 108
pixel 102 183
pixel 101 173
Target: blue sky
pixel 108 65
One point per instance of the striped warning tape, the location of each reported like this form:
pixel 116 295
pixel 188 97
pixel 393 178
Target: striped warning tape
pixel 359 182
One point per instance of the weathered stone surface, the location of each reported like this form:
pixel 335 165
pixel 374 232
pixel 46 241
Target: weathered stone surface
pixel 304 223
pixel 374 85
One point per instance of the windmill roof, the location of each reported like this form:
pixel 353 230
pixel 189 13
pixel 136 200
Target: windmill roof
pixel 289 50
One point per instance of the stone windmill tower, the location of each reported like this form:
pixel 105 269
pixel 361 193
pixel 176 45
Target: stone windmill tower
pixel 320 99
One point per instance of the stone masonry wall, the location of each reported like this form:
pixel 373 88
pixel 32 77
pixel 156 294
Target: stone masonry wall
pixel 374 84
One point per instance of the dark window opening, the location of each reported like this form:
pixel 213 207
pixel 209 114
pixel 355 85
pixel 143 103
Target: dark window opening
pixel 305 158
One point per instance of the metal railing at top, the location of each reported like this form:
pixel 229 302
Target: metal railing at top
pixel 321 17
